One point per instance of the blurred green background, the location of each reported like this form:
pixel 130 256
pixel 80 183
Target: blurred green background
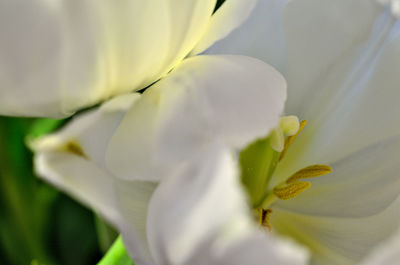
pixel 38 224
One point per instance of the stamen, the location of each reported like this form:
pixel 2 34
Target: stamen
pixel 310 172
pixel 74 148
pixel 290 139
pixel 292 190
pixel 265 216
pixel 277 139
pixel 290 125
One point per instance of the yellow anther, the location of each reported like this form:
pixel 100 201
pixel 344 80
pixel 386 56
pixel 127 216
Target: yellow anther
pixel 75 148
pixel 277 139
pixel 292 190
pixel 290 139
pixel 264 218
pixel 310 172
pixel 290 125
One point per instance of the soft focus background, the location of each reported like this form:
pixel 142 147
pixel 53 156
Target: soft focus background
pixel 38 224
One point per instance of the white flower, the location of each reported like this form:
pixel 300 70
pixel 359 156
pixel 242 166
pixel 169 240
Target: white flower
pixel 57 57
pixel 387 253
pixel 341 60
pixel 182 133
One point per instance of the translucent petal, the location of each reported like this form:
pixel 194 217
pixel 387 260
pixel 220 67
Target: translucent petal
pixel 230 98
pixel 57 57
pixel 361 184
pixel 226 19
pixel 73 159
pixel 260 36
pixel 387 253
pixel 336 240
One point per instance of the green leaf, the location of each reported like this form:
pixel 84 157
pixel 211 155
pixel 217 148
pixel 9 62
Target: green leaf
pixel 105 233
pixel 116 255
pixel 42 127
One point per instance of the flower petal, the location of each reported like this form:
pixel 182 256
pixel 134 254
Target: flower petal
pixel 133 200
pixel 335 240
pixel 73 159
pixel 260 36
pixel 387 253
pixel 145 39
pixel 324 41
pixel 361 184
pixel 200 216
pixel 31 60
pixel 232 98
pixel 226 19
pixel 363 124
pixel 204 196
pixel 57 57
pixel 256 248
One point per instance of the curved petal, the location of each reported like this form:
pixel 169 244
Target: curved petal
pixel 335 240
pixel 256 248
pixel 145 39
pixel 361 184
pixel 325 42
pixel 366 113
pixel 57 57
pixel 31 57
pixel 231 98
pixel 73 159
pixel 226 19
pixel 133 199
pixel 260 36
pixel 387 253
pixel 200 216
pixel 202 198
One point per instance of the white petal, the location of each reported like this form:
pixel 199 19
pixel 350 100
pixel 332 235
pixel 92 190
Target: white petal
pixel 59 56
pixel 78 169
pixel 387 253
pixel 363 114
pixel 145 39
pixel 362 184
pixel 200 216
pixel 201 200
pixel 227 18
pixel 133 200
pixel 261 36
pixel 34 43
pixel 256 248
pixel 335 240
pixel 232 98
pixel 324 41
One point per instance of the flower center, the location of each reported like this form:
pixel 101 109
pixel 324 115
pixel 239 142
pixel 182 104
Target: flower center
pixel 258 162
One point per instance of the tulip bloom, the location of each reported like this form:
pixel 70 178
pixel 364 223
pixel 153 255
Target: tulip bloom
pixel 57 57
pixel 341 60
pixel 141 170
pixel 168 171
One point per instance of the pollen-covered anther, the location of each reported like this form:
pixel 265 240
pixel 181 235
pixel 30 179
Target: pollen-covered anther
pixel 277 139
pixel 74 148
pixel 291 138
pixel 309 172
pixel 291 191
pixel 290 125
pixel 264 219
